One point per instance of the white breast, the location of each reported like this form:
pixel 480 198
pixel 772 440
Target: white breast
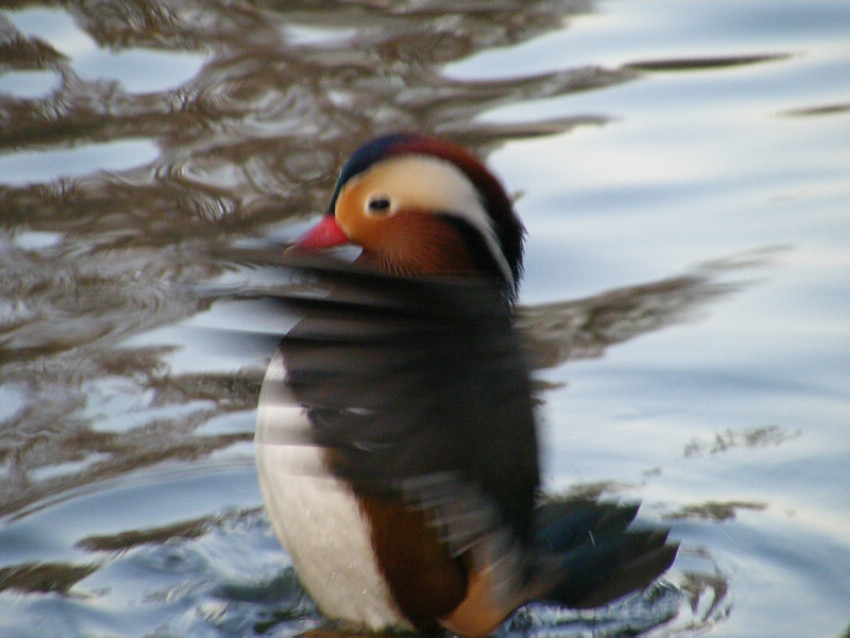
pixel 316 517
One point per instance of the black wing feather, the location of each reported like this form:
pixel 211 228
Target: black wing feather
pixel 420 388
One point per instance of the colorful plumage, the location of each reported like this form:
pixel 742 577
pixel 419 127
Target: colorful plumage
pixel 396 439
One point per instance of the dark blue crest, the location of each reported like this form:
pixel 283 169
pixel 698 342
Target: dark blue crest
pixel 367 155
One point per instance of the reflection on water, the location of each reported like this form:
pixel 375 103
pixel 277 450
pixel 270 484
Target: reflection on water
pixel 557 332
pixel 43 166
pixel 752 437
pixel 142 145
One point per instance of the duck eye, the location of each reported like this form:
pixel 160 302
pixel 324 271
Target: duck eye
pixel 379 205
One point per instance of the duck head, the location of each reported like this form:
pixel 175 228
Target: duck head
pixel 420 206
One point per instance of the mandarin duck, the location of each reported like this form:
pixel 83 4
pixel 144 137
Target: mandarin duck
pixel 397 449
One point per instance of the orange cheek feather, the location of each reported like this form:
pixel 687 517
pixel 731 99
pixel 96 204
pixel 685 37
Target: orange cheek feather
pixel 430 245
pixel 417 243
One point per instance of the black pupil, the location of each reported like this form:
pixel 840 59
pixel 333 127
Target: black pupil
pixel 379 204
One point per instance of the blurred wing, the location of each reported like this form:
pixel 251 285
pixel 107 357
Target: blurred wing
pixel 417 389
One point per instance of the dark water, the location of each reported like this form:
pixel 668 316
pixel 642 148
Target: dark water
pixel 683 169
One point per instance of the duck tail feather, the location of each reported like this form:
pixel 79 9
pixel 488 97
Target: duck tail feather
pixel 590 557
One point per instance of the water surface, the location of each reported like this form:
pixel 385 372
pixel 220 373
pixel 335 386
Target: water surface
pixel 682 169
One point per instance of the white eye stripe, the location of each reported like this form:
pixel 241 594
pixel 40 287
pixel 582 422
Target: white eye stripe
pixel 464 202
